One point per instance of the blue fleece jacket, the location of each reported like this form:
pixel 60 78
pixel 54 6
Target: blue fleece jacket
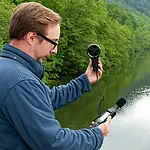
pixel 27 120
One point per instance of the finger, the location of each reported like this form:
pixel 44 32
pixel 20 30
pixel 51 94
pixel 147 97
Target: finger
pixel 109 118
pixel 99 73
pixel 100 66
pixel 100 69
pixel 90 64
pixel 108 121
pixel 93 123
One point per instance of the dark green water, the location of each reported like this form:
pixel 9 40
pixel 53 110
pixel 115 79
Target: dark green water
pixel 130 129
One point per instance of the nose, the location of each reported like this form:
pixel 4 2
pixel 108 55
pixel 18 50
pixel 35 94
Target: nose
pixel 54 51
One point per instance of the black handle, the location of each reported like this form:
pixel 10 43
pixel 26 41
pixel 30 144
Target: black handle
pixel 95 63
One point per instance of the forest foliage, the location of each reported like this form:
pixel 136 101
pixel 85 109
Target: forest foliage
pixel 120 34
pixel 142 6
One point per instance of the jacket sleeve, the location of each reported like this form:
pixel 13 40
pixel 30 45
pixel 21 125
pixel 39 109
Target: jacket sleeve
pixel 65 94
pixel 31 113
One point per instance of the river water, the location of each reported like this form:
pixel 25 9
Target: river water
pixel 130 128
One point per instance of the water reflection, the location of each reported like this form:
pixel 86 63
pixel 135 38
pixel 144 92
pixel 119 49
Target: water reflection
pixel 130 129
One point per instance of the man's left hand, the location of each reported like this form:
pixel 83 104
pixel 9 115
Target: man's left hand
pixel 91 75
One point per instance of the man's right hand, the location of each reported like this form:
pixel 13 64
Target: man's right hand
pixel 105 126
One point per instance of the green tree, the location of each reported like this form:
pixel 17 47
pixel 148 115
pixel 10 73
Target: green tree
pixel 5 13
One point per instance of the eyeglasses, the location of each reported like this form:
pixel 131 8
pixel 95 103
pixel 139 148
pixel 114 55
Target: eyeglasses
pixel 49 40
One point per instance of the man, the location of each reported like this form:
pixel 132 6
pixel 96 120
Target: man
pixel 27 120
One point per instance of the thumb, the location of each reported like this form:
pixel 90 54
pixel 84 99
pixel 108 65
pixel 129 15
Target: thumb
pixel 108 121
pixel 90 63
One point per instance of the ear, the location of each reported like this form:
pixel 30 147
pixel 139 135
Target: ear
pixel 30 37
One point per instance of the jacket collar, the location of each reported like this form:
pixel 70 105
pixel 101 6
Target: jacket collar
pixel 11 52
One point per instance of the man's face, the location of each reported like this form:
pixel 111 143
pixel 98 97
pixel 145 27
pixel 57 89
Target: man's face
pixel 45 48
